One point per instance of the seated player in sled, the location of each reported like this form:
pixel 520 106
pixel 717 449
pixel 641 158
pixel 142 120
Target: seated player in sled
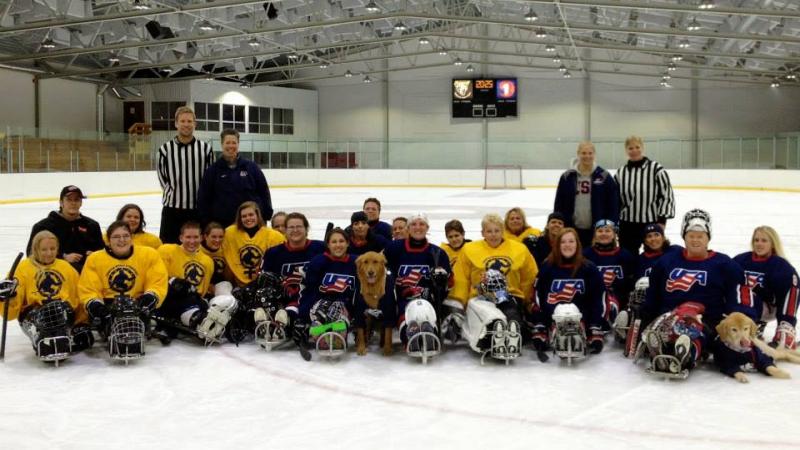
pixel 246 242
pixel 120 286
pixel 689 292
pixel 399 228
pixel 616 266
pixel 190 272
pixel 372 208
pixel 327 298
pixel 516 228
pixel 362 238
pixel 568 296
pixel 774 284
pixel 501 301
pixel 43 297
pixel 213 236
pixel 276 304
pixel 544 243
pixel 278 222
pixel 132 215
pixel 454 232
pixel 422 279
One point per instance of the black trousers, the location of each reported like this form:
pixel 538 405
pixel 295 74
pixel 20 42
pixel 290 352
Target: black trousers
pixel 631 235
pixel 172 219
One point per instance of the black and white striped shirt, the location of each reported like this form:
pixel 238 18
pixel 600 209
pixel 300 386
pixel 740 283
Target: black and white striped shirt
pixel 645 192
pixel 180 169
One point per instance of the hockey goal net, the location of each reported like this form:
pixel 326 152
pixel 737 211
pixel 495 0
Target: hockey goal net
pixel 503 177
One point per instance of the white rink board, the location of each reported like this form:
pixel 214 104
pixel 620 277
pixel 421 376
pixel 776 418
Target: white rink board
pixel 185 396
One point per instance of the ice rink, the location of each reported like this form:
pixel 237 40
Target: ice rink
pixel 187 396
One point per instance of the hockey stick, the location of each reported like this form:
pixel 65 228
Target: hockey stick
pixel 301 347
pixel 5 308
pixel 632 339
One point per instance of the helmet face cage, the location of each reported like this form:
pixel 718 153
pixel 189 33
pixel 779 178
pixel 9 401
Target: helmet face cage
pixel 696 214
pixel 493 285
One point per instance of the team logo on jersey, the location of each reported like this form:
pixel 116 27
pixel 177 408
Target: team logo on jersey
pixel 410 275
pixel 335 283
pixel 754 279
pixel 683 279
pixel 250 257
pixel 121 278
pixel 610 274
pixel 563 291
pixel 501 263
pixel 194 272
pixel 49 282
pixel 292 277
pixel 219 265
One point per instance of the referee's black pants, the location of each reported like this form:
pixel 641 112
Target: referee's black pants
pixel 631 235
pixel 172 219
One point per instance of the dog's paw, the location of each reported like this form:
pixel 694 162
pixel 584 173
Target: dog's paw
pixel 387 351
pixel 361 350
pixel 778 373
pixel 741 377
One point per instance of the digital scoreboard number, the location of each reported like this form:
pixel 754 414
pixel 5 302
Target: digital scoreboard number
pixel 484 97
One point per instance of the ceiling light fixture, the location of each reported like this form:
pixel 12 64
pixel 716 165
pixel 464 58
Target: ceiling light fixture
pixel 424 41
pixel 458 62
pixel 372 7
pixel 791 76
pixel 113 58
pixel 245 85
pixel 540 33
pixel 549 48
pixel 694 25
pixel 293 56
pixel 531 16
pixel 775 83
pixel 664 83
pixel 562 68
pixel 367 79
pixel 205 25
pixel 666 76
pixel 706 4
pixel 470 69
pixel 140 5
pixel 166 70
pixel 557 59
pixel 567 74
pixel 48 44
pixel 684 43
pixel 253 43
pixel 323 65
pixel 443 51
pixel 400 26
pixel 672 67
pixel 209 76
pixel 348 74
pixel 677 58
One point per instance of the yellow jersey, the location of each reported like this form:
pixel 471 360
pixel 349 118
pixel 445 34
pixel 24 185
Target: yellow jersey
pixel 220 268
pixel 530 231
pixel 196 268
pixel 511 258
pixel 243 254
pixel 40 282
pixel 142 238
pixel 104 276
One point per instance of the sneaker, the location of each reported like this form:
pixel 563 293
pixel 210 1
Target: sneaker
pixel 682 353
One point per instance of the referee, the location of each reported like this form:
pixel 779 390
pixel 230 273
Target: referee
pixel 182 162
pixel 645 195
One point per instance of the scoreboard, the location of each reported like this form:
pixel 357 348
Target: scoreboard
pixel 484 97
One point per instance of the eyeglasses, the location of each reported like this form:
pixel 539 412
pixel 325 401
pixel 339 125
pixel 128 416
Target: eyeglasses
pixel 296 227
pixel 120 237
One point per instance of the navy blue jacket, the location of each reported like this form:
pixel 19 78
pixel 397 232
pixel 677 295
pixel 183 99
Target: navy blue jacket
pixel 223 189
pixel 605 195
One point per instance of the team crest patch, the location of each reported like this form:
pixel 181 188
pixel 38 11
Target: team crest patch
pixel 683 279
pixel 292 274
pixel 563 291
pixel 335 283
pixel 754 279
pixel 194 272
pixel 121 278
pixel 250 257
pixel 49 282
pixel 410 275
pixel 219 265
pixel 500 263
pixel 610 274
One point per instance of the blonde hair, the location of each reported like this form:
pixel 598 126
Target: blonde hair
pixel 184 110
pixel 37 239
pixel 242 207
pixel 493 219
pixel 774 239
pixel 583 144
pixel 519 211
pixel 634 139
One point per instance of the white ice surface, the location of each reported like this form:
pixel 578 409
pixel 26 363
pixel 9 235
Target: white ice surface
pixel 186 396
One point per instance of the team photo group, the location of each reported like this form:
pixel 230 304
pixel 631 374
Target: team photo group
pixel 226 268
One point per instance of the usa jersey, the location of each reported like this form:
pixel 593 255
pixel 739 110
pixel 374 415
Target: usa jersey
pixel 413 267
pixel 290 263
pixel 330 278
pixel 716 282
pixel 648 259
pixel 617 268
pixel 774 283
pixel 557 284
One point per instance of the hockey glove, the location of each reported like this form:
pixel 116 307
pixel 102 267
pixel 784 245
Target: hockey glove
pixel 595 339
pixel 8 288
pixel 784 336
pixel 300 332
pixel 539 337
pixel 82 338
pixel 180 286
pixel 98 312
pixel 147 302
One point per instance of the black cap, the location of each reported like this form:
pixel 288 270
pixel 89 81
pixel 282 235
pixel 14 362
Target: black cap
pixel 71 189
pixel 558 216
pixel 359 216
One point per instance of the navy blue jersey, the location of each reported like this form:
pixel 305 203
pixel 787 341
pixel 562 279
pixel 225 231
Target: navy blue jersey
pixel 648 258
pixel 557 284
pixel 412 268
pixel 290 264
pixel 329 278
pixel 773 282
pixel 374 243
pixel 716 282
pixel 731 361
pixel 381 229
pixel 617 267
pixel 386 311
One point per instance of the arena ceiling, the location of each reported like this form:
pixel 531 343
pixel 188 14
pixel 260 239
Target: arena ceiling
pixel 292 42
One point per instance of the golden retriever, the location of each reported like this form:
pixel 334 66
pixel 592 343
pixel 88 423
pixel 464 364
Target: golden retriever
pixel 371 267
pixel 739 332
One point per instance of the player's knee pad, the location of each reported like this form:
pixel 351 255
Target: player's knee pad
pixel 221 309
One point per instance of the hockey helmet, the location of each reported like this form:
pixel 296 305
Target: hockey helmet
pixel 696 220
pixel 493 286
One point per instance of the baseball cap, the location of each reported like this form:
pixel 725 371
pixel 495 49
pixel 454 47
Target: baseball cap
pixel 71 189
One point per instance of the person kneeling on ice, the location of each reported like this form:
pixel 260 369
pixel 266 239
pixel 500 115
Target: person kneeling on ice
pixel 43 296
pixel 120 286
pixel 689 292
pixel 328 294
pixel 568 301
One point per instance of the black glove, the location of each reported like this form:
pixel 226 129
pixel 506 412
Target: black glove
pixel 181 286
pixel 98 311
pixel 300 332
pixel 8 288
pixel 539 337
pixel 147 302
pixel 595 340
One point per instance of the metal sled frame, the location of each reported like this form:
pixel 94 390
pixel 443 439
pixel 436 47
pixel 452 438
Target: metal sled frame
pixel 424 352
pixel 667 360
pixel 54 342
pixel 129 331
pixel 502 356
pixel 569 353
pixel 208 341
pixel 264 335
pixel 331 337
